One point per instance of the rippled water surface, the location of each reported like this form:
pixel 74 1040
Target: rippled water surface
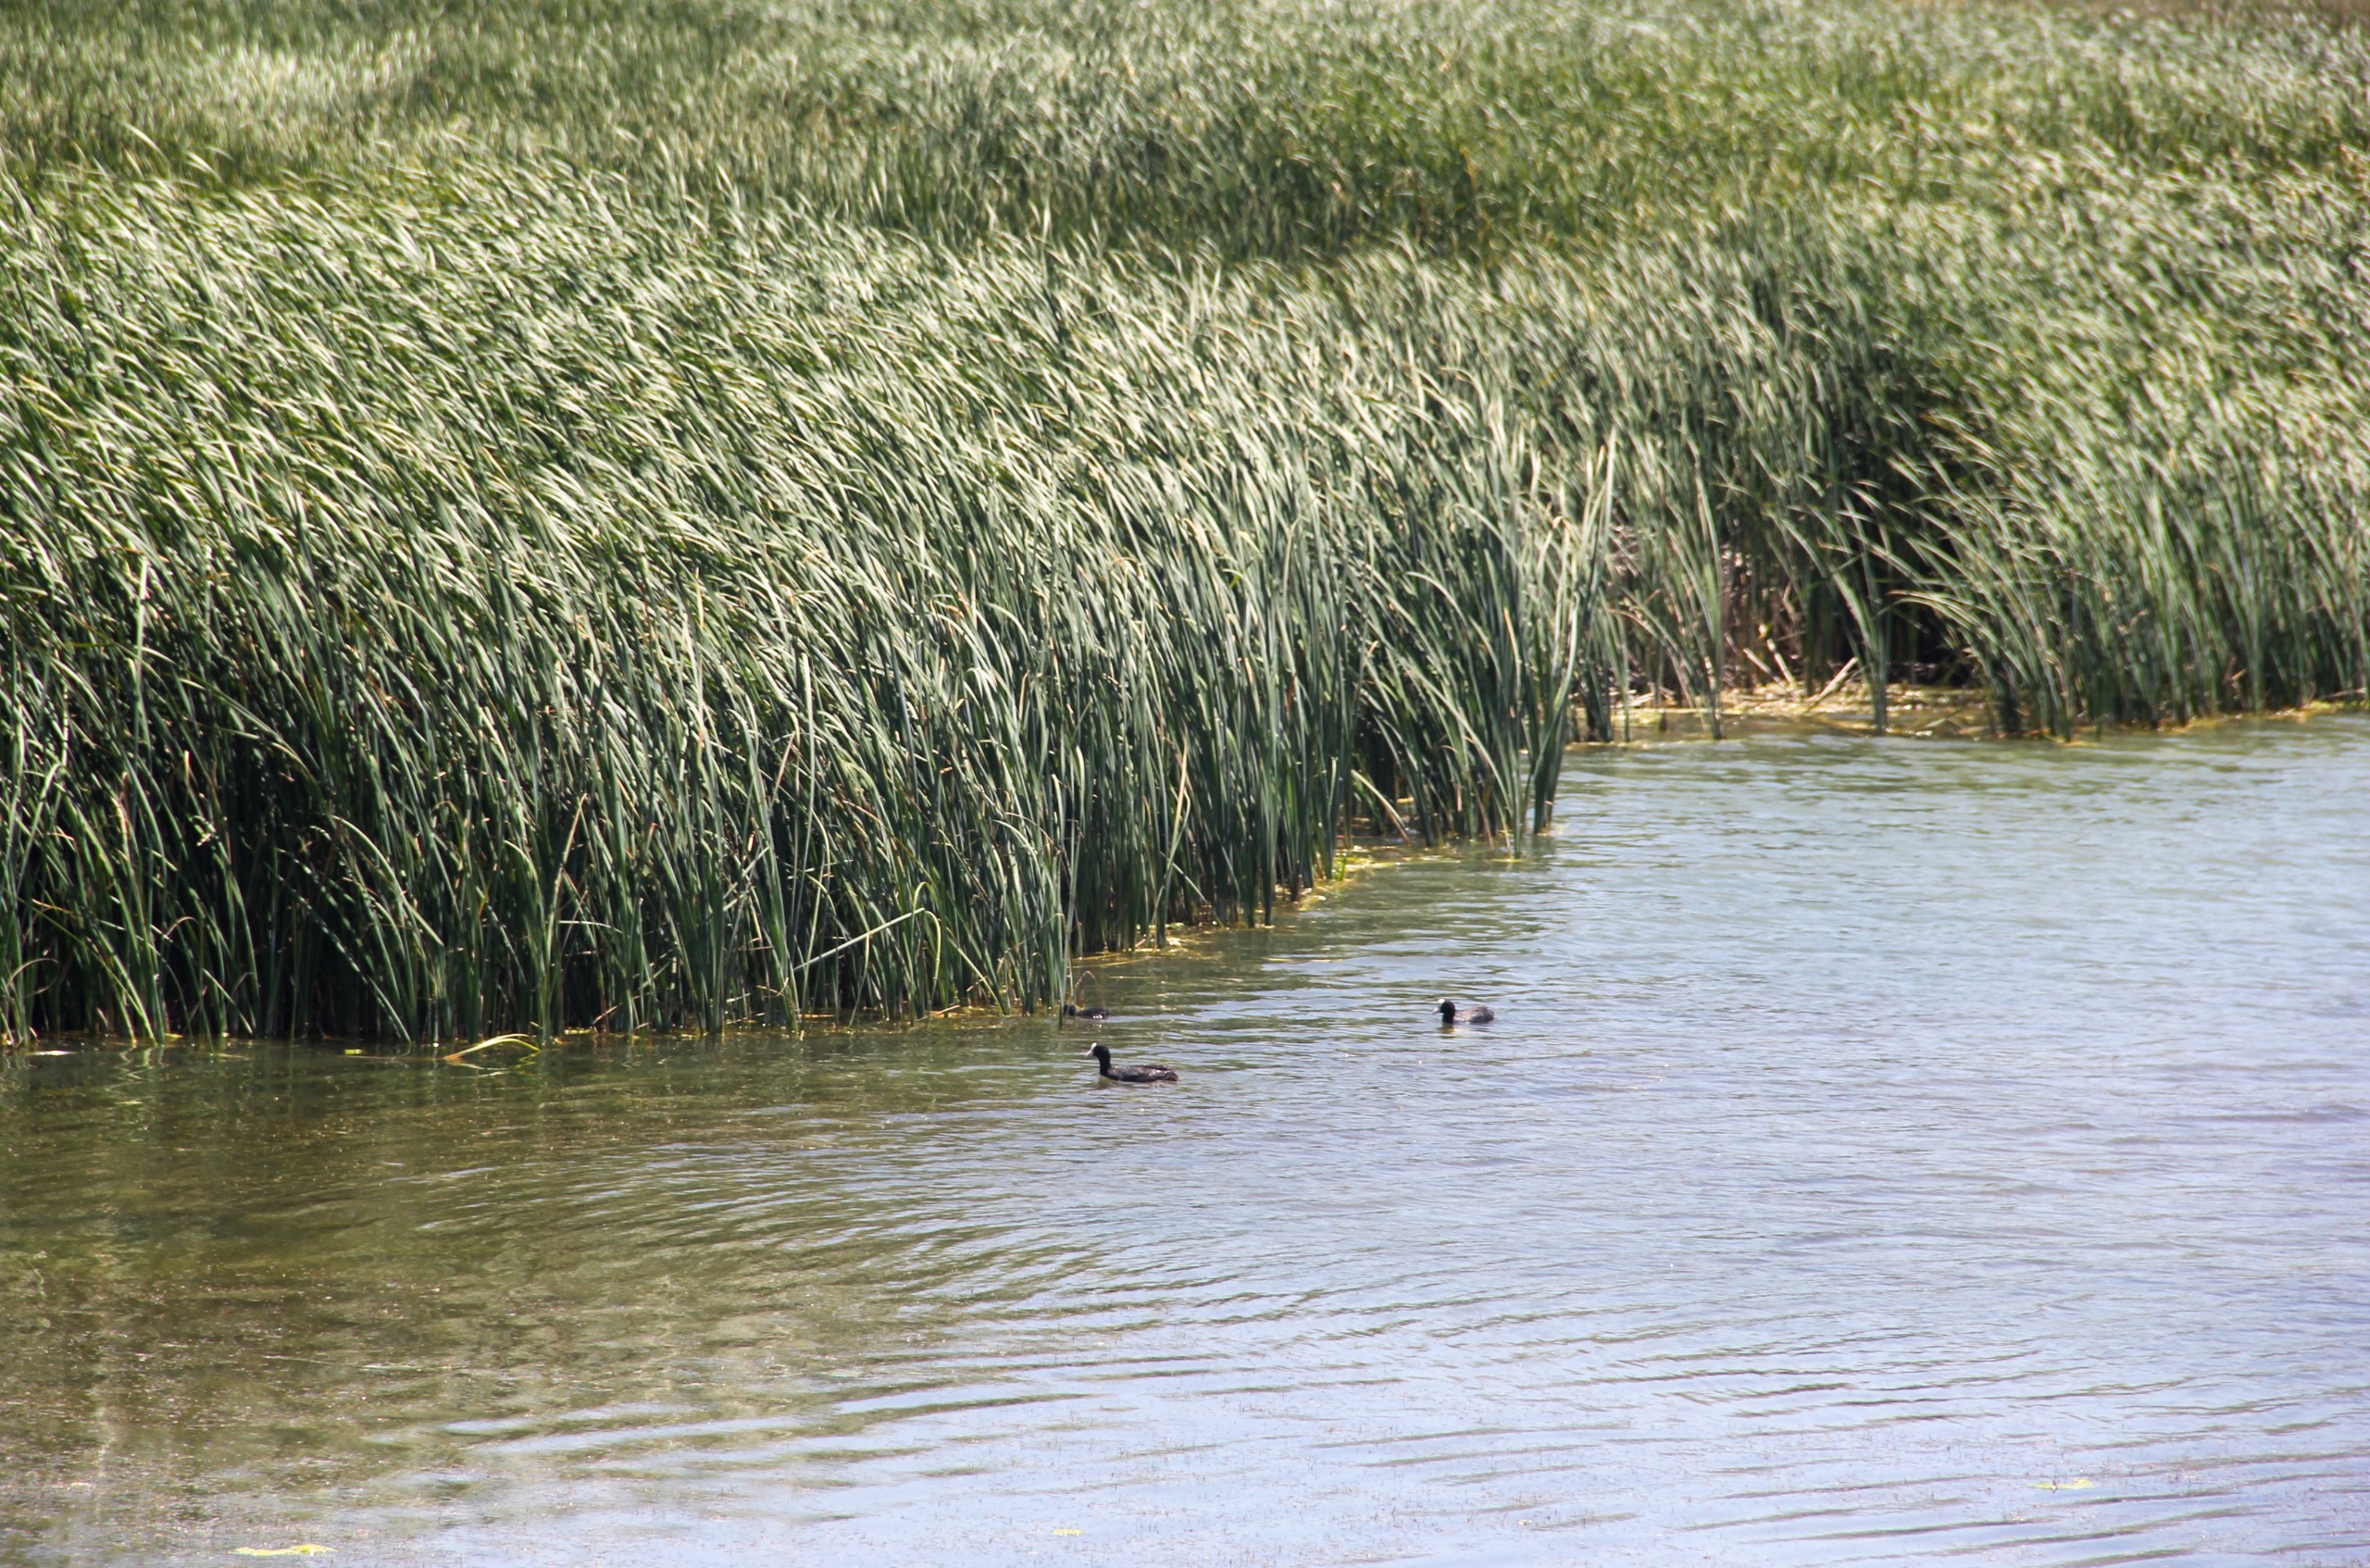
pixel 1890 1152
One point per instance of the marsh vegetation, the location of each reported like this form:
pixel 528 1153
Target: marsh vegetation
pixel 591 513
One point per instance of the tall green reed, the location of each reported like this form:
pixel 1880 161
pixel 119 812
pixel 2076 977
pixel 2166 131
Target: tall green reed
pixel 578 620
pixel 650 517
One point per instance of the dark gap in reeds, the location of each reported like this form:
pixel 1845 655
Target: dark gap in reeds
pixel 644 518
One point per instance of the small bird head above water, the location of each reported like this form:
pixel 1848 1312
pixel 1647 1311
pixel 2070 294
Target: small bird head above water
pixel 1100 1051
pixel 1448 1011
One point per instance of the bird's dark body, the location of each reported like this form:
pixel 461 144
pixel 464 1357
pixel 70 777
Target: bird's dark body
pixel 1144 1073
pixel 1449 1016
pixel 1096 1011
pixel 1150 1073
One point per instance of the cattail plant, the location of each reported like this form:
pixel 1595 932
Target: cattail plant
pixel 644 518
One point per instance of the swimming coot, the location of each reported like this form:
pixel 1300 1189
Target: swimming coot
pixel 1472 1014
pixel 1149 1073
pixel 1071 1010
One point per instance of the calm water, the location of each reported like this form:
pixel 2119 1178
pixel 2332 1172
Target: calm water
pixel 1890 1151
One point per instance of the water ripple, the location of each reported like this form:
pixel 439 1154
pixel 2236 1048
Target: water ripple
pixel 1886 1153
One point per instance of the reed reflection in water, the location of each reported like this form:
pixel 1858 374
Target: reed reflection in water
pixel 1888 1150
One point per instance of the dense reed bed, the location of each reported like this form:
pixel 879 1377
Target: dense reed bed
pixel 648 516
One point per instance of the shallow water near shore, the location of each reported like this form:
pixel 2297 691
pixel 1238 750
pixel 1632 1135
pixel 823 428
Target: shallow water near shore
pixel 1890 1150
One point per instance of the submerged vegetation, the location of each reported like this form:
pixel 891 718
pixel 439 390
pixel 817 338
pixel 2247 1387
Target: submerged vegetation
pixel 634 514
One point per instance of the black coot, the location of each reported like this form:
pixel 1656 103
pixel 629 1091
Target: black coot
pixel 1448 1015
pixel 1149 1073
pixel 1071 1010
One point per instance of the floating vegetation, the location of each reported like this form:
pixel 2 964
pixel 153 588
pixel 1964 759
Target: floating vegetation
pixel 654 517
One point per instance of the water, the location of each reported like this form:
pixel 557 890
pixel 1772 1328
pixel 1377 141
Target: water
pixel 1890 1151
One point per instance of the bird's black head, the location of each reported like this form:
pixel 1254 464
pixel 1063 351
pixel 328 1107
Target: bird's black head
pixel 1101 1052
pixel 1069 1009
pixel 1448 1011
